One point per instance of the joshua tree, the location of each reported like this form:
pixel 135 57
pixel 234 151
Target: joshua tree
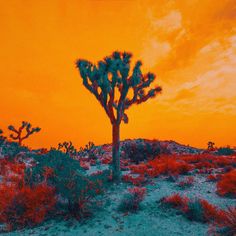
pixel 210 145
pixel 111 81
pixel 88 147
pixel 67 147
pixel 19 136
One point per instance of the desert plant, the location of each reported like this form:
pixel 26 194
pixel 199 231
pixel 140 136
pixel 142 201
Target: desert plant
pixel 111 82
pixel 187 182
pixel 11 171
pixel 140 150
pixel 19 136
pixel 226 224
pixel 168 165
pixel 25 206
pixel 211 212
pixel 225 151
pixel 12 149
pixel 75 190
pixel 226 186
pixel 88 147
pixel 213 178
pixel 131 201
pixel 137 180
pixel 223 222
pixel 91 151
pixel 195 211
pixel 22 205
pixel 210 145
pixel 176 201
pixel 67 147
pixel 202 211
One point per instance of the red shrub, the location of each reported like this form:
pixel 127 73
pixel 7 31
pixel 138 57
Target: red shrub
pixel 139 180
pixel 223 221
pixel 138 192
pixel 192 158
pixel 22 205
pixel 124 162
pixel 188 181
pixel 84 165
pixel 25 206
pixel 229 221
pixel 177 201
pixel 204 164
pixel 153 172
pixel 98 172
pixel 48 173
pixel 227 185
pixel 225 224
pixel 131 201
pixel 211 212
pixel 106 160
pixel 170 166
pixel 213 178
pixel 138 169
pixel 9 169
pixel 223 161
pixel 92 162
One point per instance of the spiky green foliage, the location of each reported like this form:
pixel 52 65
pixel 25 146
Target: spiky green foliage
pixel 117 87
pixel 114 72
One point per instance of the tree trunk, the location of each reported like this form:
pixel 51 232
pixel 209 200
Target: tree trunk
pixel 116 152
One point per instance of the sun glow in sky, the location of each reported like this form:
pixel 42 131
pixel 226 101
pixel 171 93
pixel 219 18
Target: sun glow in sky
pixel 190 45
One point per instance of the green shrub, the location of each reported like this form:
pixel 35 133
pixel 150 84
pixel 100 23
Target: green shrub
pixel 139 150
pixel 74 188
pixel 91 151
pixel 225 151
pixel 11 149
pixel 131 200
pixel 195 211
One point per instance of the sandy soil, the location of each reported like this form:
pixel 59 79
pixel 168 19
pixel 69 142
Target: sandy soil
pixel 151 220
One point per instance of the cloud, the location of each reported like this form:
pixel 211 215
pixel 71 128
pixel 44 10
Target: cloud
pixel 169 23
pixel 185 94
pixel 156 45
pixel 154 51
pixel 213 86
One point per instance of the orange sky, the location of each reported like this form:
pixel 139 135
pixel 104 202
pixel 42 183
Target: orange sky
pixel 190 45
